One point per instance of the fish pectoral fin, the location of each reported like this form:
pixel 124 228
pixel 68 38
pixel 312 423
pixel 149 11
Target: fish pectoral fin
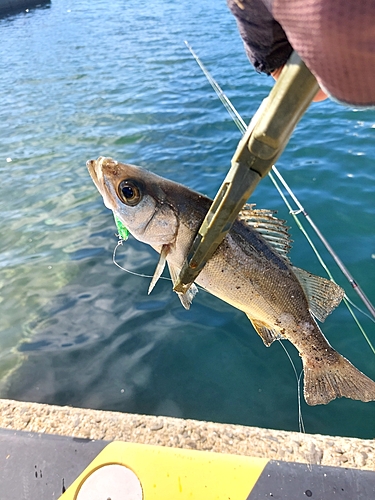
pixel 187 297
pixel 322 295
pixel 159 267
pixel 268 335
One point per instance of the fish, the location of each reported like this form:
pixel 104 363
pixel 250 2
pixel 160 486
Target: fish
pixel 250 270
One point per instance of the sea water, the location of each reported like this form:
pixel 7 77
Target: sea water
pixel 82 79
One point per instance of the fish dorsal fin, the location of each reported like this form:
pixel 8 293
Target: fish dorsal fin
pixel 187 297
pixel 159 267
pixel 266 334
pixel 273 230
pixel 322 295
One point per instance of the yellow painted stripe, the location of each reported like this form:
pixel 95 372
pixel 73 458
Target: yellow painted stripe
pixel 176 474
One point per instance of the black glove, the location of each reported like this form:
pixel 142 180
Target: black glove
pixel 265 41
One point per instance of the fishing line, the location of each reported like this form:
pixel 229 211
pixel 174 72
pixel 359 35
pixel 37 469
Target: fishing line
pixel 359 309
pixel 338 261
pixel 346 299
pixel 242 127
pixel 301 424
pixel 119 243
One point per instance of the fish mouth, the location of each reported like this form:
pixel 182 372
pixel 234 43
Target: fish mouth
pixel 95 168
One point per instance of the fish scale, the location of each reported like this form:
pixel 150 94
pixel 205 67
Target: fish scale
pixel 249 270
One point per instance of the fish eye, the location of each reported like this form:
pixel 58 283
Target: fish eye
pixel 129 192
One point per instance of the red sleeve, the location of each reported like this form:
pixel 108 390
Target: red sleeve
pixel 336 40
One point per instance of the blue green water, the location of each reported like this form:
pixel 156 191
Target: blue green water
pixel 82 79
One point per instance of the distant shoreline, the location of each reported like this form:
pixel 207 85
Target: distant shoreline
pixel 10 6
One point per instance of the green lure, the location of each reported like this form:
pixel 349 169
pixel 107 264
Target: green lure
pixel 122 230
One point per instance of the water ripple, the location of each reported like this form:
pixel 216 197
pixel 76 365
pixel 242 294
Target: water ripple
pixel 115 78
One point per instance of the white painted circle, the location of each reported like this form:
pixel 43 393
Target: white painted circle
pixel 111 482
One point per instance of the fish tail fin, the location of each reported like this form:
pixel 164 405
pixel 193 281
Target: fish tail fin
pixel 339 378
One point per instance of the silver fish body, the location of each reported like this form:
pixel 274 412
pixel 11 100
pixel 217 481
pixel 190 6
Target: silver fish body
pixel 250 270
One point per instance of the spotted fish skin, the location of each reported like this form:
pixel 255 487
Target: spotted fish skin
pixel 249 270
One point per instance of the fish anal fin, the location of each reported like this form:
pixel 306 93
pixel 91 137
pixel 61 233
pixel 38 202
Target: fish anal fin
pixel 322 295
pixel 187 297
pixel 265 333
pixel 339 378
pixel 272 229
pixel 159 267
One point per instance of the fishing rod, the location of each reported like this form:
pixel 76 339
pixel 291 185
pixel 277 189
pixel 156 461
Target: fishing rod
pixel 242 127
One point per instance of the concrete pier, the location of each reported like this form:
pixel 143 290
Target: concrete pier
pixel 188 434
